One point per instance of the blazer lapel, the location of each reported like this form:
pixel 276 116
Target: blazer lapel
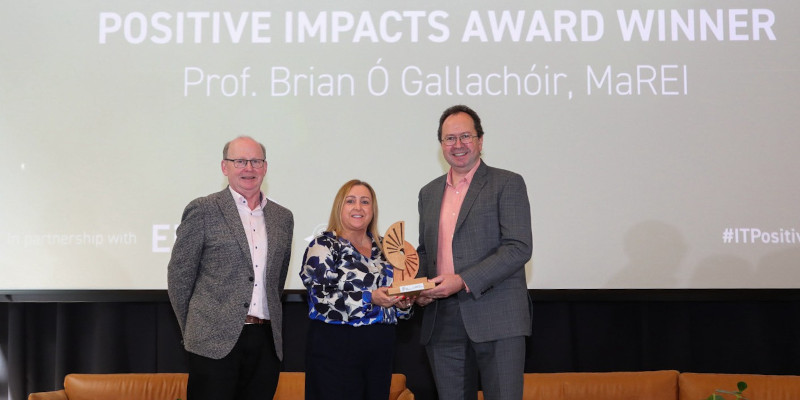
pixel 432 211
pixel 231 214
pixel 475 187
pixel 436 204
pixel 272 239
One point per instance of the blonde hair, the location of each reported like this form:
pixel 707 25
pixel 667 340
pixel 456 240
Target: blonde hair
pixel 335 221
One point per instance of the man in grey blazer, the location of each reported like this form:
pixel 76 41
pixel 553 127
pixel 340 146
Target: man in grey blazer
pixel 225 280
pixel 475 238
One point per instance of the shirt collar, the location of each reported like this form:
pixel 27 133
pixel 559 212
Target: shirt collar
pixel 467 178
pixel 241 200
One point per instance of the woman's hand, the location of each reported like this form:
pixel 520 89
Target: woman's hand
pixel 406 302
pixel 381 297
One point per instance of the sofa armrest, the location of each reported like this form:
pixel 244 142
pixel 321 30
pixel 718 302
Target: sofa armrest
pixel 291 386
pixel 405 395
pixel 398 388
pixel 54 395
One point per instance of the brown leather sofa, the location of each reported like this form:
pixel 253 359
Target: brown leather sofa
pixel 654 385
pixel 651 385
pixel 166 386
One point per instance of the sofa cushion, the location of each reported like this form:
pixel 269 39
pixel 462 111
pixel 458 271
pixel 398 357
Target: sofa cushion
pixel 697 386
pixel 651 385
pixel 156 386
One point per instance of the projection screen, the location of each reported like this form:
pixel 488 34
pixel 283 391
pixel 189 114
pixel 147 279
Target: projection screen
pixel 658 140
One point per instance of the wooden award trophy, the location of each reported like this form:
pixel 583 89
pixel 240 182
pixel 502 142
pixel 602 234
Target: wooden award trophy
pixel 405 260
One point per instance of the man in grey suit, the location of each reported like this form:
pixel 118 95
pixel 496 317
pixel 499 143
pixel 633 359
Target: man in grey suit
pixel 225 280
pixel 475 238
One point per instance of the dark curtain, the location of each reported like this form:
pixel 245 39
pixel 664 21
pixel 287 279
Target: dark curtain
pixel 41 342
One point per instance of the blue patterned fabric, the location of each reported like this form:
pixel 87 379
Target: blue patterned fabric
pixel 340 281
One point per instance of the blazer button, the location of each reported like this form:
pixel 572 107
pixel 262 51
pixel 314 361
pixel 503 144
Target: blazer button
pixel 246 305
pixel 251 279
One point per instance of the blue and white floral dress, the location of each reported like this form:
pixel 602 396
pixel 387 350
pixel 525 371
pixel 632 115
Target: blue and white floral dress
pixel 340 281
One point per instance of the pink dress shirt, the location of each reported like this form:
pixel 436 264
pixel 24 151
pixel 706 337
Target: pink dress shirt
pixel 453 198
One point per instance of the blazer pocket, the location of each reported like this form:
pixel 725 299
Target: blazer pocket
pixel 221 241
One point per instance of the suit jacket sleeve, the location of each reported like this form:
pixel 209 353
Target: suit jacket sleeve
pixel 185 260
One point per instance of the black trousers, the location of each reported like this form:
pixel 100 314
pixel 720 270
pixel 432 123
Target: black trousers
pixel 345 362
pixel 249 372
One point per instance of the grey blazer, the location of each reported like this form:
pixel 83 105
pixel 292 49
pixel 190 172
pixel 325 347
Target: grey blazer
pixel 491 244
pixel 209 277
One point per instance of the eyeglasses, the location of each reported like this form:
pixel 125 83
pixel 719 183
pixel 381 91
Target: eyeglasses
pixel 465 138
pixel 243 163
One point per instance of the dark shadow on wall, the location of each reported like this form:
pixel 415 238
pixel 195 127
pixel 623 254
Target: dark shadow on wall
pixel 655 251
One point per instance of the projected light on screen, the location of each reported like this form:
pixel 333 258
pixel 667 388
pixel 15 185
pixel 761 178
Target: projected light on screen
pixel 658 141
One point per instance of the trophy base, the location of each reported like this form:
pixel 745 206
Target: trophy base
pixel 410 287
